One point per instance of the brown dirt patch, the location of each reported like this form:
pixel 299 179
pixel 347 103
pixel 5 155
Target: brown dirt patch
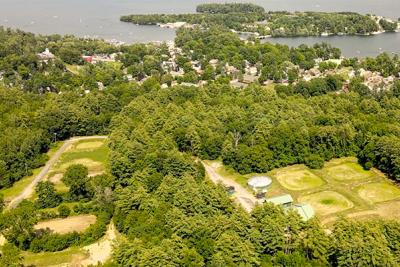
pixel 101 251
pixel 71 224
pixel 56 178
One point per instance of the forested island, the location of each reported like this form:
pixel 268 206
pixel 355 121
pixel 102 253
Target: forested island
pixel 250 18
pixel 170 108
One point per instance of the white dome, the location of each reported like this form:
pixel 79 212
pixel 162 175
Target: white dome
pixel 259 181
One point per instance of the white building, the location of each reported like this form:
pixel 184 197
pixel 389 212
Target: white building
pixel 259 184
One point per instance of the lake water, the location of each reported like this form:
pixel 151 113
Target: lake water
pixel 100 18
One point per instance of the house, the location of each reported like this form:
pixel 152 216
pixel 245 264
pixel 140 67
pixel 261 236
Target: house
pixel 248 79
pixel 259 184
pixel 87 59
pixel 46 55
pixel 286 201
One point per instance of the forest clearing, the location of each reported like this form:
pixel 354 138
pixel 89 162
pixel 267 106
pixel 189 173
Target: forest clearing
pixel 341 188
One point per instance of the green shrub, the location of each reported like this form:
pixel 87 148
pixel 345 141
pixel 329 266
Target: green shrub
pixel 64 211
pixel 314 161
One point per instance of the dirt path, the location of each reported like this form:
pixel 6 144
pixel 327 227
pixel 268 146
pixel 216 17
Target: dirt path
pixel 43 172
pixel 101 251
pixel 242 196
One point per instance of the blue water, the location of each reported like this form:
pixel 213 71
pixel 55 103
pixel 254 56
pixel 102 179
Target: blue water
pixel 100 18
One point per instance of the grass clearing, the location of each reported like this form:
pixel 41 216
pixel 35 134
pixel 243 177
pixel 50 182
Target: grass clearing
pixel 69 257
pixel 89 145
pixel 327 202
pixel 93 166
pixel 378 192
pixel 341 188
pixel 68 225
pixel 298 178
pixel 347 171
pixel 93 153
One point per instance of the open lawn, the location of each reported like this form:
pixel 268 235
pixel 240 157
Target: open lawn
pixel 347 171
pixel 71 224
pixel 89 145
pixel 297 178
pixel 69 257
pixel 327 202
pixel 378 192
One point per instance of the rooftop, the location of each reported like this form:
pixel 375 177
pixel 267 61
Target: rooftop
pixel 281 200
pixel 259 181
pixel 305 210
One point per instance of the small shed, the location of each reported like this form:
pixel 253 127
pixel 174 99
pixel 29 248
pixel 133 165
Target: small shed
pixel 305 210
pixel 286 201
pixel 259 183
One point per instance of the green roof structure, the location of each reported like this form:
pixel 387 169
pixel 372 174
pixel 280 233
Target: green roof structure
pixel 281 200
pixel 305 210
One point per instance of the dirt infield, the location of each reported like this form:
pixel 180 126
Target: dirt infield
pixel 71 224
pixel 378 192
pixel 327 202
pixel 298 178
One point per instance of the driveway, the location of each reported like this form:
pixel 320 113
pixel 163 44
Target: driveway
pixel 242 196
pixel 49 164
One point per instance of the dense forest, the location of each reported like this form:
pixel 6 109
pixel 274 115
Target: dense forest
pixel 153 142
pixel 229 8
pixel 251 18
pixel 157 194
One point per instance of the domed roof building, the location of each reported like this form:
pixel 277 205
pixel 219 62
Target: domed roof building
pixel 259 184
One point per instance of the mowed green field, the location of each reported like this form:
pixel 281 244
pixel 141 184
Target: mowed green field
pixel 341 188
pixel 93 153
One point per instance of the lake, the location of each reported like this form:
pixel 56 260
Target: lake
pixel 100 18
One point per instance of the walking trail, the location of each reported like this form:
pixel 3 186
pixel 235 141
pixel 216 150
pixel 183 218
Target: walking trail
pixel 28 191
pixel 242 196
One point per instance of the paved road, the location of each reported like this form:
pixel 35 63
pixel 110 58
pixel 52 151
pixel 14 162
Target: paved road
pixel 242 196
pixel 43 172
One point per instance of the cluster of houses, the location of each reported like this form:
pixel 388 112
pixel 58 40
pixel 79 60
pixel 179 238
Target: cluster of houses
pixel 375 81
pixel 239 78
pixel 94 59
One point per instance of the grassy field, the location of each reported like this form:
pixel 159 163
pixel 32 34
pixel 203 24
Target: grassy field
pixel 327 202
pixel 73 256
pixel 18 187
pixel 297 178
pixel 341 188
pixel 92 153
pixel 378 192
